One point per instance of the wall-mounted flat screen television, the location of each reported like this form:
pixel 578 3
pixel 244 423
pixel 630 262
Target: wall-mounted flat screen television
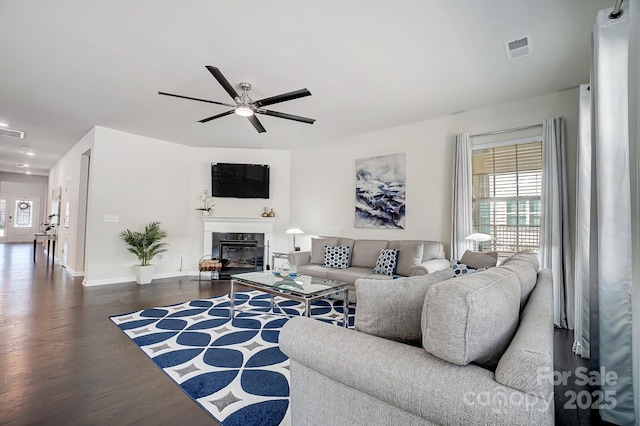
pixel 239 180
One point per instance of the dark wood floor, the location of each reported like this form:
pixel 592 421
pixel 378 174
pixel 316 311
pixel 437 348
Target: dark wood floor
pixel 63 362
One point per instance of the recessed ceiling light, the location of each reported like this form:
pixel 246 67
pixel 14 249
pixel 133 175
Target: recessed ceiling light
pixel 26 151
pixel 28 172
pixel 3 124
pixel 22 166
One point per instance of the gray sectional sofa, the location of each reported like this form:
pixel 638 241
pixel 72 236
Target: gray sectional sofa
pixel 473 350
pixel 415 257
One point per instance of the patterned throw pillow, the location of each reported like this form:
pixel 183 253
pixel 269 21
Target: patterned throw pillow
pixel 336 257
pixel 460 269
pixel 387 262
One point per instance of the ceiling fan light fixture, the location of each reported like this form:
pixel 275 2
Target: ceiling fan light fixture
pixel 244 111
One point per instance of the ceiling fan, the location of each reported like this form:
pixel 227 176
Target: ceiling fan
pixel 245 106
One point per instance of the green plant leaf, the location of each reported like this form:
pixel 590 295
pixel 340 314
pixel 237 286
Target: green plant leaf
pixel 145 245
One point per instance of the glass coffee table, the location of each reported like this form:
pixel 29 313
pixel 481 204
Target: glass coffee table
pixel 302 288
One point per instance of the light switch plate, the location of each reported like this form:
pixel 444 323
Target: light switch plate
pixel 111 218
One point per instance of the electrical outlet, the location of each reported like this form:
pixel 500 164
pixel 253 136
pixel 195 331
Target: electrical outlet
pixel 162 256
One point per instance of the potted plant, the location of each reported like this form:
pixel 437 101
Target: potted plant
pixel 145 245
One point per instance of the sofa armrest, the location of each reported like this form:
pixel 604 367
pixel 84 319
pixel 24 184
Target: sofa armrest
pixel 431 266
pixel 299 258
pixel 408 377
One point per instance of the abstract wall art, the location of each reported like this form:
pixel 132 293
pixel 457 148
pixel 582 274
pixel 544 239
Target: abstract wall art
pixel 380 191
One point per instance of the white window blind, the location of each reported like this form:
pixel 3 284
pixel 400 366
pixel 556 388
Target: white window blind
pixel 507 182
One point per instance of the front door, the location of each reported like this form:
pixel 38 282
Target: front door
pixel 3 219
pixel 22 218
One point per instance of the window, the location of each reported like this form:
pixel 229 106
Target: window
pixel 24 214
pixel 507 182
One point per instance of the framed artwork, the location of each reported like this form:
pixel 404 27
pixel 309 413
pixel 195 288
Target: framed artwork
pixel 380 191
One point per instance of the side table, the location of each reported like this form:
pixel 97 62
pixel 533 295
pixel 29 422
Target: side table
pixel 49 238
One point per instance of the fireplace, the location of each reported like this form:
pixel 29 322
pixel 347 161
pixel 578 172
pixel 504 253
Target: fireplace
pixel 238 252
pixel 242 231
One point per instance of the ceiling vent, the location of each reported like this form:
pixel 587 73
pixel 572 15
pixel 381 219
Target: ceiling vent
pixel 518 48
pixel 12 133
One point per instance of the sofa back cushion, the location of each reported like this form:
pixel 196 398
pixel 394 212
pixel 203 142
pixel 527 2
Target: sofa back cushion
pixel 409 255
pixel 432 250
pixel 392 309
pixel 366 252
pixel 525 266
pixel 472 318
pixel 479 260
pixel 317 248
pixel 530 354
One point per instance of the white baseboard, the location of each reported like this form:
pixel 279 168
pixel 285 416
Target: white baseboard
pixel 73 273
pixel 132 278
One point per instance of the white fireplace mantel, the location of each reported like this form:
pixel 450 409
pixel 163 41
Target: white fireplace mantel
pixel 257 225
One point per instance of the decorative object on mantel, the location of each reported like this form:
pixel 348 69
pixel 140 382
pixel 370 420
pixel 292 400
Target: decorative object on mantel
pixel 293 231
pixel 272 213
pixel 145 245
pixel 265 213
pixel 380 191
pixel 206 208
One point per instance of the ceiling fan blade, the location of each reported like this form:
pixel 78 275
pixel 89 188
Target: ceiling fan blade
pixel 287 116
pixel 195 99
pixel 217 116
pixel 223 82
pixel 256 123
pixel 281 98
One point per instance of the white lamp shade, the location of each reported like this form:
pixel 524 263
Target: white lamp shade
pixel 478 236
pixel 294 231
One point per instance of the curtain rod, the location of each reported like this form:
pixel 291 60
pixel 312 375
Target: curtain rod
pixel 515 129
pixel 617 10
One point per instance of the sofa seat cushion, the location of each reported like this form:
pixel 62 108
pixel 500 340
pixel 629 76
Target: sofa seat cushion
pixel 392 309
pixel 317 249
pixel 349 275
pixel 472 318
pixel 313 270
pixel 409 255
pixel 365 252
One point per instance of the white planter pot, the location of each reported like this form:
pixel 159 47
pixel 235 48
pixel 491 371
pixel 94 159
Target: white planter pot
pixel 144 274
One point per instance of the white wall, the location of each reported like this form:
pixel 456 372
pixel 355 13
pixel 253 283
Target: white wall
pixel 143 179
pixel 69 167
pixel 323 177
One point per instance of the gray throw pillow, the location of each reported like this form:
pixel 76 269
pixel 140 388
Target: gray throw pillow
pixel 479 260
pixel 317 249
pixel 392 308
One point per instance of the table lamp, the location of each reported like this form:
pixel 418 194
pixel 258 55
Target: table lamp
pixel 479 238
pixel 293 231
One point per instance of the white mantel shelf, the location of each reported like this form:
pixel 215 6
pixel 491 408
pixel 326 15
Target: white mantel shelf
pixel 259 225
pixel 269 220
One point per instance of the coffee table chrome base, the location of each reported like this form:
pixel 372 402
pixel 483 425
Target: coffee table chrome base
pixel 306 300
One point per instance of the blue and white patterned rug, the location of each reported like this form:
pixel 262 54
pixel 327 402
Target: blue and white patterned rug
pixel 233 369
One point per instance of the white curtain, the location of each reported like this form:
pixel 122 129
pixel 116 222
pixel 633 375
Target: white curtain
pixel 462 225
pixel 611 258
pixel 555 245
pixel 581 345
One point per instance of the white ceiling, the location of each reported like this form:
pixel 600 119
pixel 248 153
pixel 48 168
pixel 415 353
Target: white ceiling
pixel 68 65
